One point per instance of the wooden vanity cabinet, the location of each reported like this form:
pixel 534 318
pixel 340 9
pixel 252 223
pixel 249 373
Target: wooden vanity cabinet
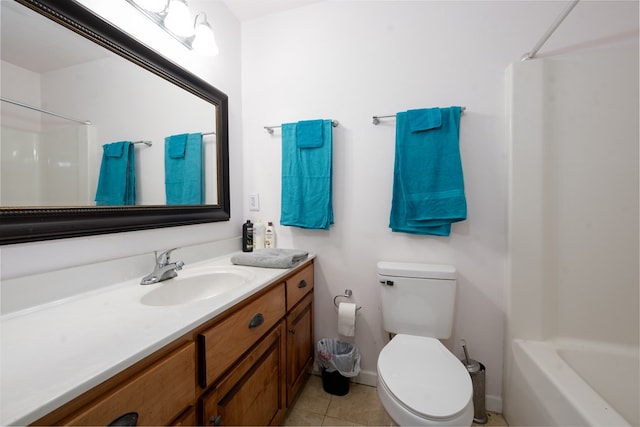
pixel 259 388
pixel 243 367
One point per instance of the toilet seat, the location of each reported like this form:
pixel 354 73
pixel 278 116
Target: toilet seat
pixel 425 378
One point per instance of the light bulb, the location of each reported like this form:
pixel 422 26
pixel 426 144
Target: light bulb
pixel 205 41
pixel 178 19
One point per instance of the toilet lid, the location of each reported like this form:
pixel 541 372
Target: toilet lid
pixel 425 377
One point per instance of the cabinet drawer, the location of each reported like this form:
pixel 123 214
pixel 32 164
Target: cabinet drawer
pixel 157 395
pixel 299 285
pixel 221 345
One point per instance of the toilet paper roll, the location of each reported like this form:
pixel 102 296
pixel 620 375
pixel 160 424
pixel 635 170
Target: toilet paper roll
pixel 347 319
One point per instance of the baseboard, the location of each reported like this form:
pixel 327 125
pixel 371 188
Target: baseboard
pixel 366 378
pixel 493 403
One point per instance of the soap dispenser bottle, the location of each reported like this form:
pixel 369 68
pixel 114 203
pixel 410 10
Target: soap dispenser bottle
pixel 247 236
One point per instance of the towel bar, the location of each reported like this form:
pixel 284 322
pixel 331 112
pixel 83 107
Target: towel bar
pixel 147 143
pixel 376 119
pixel 347 294
pixel 271 128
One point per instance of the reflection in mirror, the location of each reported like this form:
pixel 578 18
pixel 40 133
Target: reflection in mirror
pixel 54 161
pixel 60 58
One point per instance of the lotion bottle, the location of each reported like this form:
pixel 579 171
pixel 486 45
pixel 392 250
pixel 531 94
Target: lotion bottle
pixel 247 236
pixel 269 236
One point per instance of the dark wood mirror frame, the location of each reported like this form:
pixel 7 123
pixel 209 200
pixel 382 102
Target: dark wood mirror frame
pixel 20 224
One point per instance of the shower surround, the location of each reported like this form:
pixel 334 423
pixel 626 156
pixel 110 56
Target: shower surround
pixel 571 345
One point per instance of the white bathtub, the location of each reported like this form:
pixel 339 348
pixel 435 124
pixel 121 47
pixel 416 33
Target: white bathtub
pixel 555 383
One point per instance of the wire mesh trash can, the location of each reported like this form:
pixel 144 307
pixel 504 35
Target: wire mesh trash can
pixel 477 372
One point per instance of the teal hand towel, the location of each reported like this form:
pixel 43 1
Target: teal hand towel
pixel 309 133
pixel 307 180
pixel 424 119
pixel 178 146
pixel 183 168
pixel 428 187
pixel 117 178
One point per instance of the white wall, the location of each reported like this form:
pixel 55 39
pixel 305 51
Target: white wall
pixel 349 60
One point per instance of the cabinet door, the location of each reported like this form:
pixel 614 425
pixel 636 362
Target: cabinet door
pixel 299 345
pixel 187 418
pixel 252 394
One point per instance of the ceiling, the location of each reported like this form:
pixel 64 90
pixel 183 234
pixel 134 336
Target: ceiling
pixel 245 10
pixel 34 47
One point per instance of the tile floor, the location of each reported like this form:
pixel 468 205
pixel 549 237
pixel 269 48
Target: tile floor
pixel 359 407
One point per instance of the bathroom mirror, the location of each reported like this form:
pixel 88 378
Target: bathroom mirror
pixel 126 101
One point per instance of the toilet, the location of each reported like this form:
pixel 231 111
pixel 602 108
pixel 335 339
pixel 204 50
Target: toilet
pixel 420 382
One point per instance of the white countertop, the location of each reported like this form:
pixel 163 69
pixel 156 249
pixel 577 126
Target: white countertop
pixel 54 352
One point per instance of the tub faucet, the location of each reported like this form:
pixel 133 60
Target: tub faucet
pixel 164 269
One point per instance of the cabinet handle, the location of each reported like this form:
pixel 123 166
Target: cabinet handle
pixel 215 421
pixel 292 331
pixel 302 284
pixel 128 419
pixel 256 320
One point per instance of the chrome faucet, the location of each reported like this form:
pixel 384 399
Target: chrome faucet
pixel 164 269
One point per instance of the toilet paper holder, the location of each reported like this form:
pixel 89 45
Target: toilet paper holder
pixel 347 294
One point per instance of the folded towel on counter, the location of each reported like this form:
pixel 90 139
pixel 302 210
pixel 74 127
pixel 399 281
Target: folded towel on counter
pixel 428 185
pixel 117 179
pixel 270 258
pixel 306 180
pixel 183 169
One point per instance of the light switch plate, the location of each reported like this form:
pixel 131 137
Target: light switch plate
pixel 254 202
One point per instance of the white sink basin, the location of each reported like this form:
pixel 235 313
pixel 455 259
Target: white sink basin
pixel 196 285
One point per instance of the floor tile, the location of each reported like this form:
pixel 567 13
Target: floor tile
pixel 330 421
pixel 493 419
pixel 313 398
pixel 300 417
pixel 359 407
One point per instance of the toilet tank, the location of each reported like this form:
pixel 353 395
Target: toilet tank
pixel 417 299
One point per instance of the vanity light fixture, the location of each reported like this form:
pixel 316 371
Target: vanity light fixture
pixel 178 18
pixel 204 41
pixel 174 17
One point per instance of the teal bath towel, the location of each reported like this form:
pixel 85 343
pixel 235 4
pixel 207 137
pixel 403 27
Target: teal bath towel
pixel 183 168
pixel 117 179
pixel 428 185
pixel 306 176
